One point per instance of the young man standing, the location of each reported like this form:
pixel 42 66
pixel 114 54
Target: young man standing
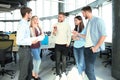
pixel 24 42
pixel 62 32
pixel 95 35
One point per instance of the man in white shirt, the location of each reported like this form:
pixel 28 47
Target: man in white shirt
pixel 62 33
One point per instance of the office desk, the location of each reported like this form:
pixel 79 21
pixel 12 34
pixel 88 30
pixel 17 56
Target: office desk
pixel 15 50
pixel 51 44
pixel 47 46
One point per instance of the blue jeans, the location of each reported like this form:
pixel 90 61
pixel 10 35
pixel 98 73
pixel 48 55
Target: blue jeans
pixel 79 57
pixel 36 59
pixel 90 58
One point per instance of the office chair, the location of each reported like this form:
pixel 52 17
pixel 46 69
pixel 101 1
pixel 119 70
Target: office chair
pixel 109 59
pixel 6 56
pixel 4 36
pixel 107 50
pixel 108 53
pixel 13 37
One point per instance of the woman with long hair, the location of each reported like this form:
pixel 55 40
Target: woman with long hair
pixel 35 31
pixel 79 45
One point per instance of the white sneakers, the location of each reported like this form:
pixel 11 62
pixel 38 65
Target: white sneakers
pixel 63 77
pixel 57 77
pixel 82 76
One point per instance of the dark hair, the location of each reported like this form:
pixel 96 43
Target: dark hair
pixel 81 25
pixel 87 8
pixel 62 13
pixel 25 10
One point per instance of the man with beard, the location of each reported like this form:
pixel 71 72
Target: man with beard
pixel 95 35
pixel 62 33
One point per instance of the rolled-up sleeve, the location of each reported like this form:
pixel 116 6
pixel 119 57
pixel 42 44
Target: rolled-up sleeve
pixel 102 28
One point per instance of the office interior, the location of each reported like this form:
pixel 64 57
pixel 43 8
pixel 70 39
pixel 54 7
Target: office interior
pixel 108 62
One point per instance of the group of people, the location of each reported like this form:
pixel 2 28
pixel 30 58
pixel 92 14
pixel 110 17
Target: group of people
pixel 88 41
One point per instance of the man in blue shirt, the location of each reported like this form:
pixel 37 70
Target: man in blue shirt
pixel 95 34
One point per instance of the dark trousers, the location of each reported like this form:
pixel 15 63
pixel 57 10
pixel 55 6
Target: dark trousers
pixel 25 64
pixel 60 57
pixel 90 58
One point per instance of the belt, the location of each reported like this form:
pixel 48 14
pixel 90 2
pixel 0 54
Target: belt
pixel 88 47
pixel 24 46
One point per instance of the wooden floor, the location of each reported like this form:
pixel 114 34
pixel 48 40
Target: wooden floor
pixel 47 71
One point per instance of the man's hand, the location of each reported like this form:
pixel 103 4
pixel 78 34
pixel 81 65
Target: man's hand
pixel 67 45
pixel 94 49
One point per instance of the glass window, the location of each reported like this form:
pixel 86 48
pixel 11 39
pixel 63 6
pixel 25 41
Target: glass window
pixel 16 14
pixel 95 12
pixel 46 7
pixel 32 4
pixel 15 24
pixel 46 25
pixel 2 16
pixel 108 20
pixel 8 15
pixel 39 8
pixel 80 3
pixel 9 26
pixel 2 27
pixel 70 20
pixel 54 8
pixel 69 5
pixel 90 1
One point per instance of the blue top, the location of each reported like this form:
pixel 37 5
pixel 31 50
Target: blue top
pixel 81 42
pixel 97 30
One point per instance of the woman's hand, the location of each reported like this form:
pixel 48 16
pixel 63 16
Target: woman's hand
pixel 75 33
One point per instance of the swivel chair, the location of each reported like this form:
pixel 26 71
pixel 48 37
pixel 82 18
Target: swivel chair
pixel 108 53
pixel 13 37
pixel 6 56
pixel 4 36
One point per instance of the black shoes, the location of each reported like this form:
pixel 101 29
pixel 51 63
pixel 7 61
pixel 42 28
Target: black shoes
pixel 36 78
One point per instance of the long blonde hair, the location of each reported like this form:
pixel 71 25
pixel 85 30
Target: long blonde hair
pixel 31 25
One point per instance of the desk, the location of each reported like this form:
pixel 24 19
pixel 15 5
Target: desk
pixel 51 44
pixel 47 46
pixel 15 50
